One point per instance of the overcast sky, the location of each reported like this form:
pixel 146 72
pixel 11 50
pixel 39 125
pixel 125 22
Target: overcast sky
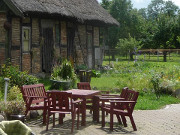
pixel 144 3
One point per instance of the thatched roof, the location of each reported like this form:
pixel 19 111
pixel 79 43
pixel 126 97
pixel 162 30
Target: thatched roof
pixel 82 10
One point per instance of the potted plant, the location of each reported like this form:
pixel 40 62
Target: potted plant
pixel 63 76
pixel 14 106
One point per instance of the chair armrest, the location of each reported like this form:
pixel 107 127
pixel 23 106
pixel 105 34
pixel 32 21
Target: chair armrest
pixel 110 98
pixel 109 95
pixel 36 96
pixel 111 101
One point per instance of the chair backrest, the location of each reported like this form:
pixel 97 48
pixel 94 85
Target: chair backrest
pixel 124 92
pixel 128 95
pixel 59 100
pixel 84 85
pixel 132 96
pixel 33 90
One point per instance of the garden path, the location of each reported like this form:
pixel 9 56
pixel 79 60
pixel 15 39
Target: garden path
pixel 165 121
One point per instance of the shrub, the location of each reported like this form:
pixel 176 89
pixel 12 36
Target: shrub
pixel 64 72
pixel 155 80
pixel 14 94
pixel 12 108
pixel 17 78
pixel 95 73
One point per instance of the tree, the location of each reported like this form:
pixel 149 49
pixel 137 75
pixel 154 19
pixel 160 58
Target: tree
pixel 106 4
pixel 164 35
pixel 128 45
pixel 157 7
pixel 120 10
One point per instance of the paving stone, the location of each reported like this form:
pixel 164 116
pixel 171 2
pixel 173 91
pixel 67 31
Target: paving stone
pixel 149 122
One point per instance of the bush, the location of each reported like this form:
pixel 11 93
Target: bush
pixel 14 94
pixel 12 108
pixel 95 73
pixel 64 72
pixel 17 78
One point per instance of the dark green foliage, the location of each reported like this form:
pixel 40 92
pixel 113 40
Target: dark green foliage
pixel 95 73
pixel 17 78
pixel 81 67
pixel 64 72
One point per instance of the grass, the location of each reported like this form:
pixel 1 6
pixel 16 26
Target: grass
pixel 148 101
pixel 138 76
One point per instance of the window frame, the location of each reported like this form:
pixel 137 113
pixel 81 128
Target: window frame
pixel 29 47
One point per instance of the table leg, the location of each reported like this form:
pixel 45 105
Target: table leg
pixel 96 108
pixel 83 123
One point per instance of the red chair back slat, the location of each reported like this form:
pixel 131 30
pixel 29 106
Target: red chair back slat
pixel 59 100
pixel 84 85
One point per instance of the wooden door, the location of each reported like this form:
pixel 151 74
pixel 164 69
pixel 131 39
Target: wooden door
pixel 47 54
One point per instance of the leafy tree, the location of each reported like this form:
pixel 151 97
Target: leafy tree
pixel 157 7
pixel 106 4
pixel 164 35
pixel 143 12
pixel 128 45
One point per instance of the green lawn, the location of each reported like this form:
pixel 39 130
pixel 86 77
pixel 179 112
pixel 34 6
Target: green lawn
pixel 138 76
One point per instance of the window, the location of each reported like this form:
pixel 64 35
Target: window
pixel 26 39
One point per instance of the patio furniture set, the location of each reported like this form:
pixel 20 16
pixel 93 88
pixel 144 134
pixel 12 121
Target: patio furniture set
pixel 76 101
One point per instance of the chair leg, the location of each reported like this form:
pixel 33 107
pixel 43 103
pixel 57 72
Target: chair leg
pixel 72 123
pixel 124 121
pixel 53 119
pixel 132 122
pixel 111 121
pixel 119 119
pixel 44 116
pixel 61 118
pixel 103 118
pixel 47 122
pixel 78 119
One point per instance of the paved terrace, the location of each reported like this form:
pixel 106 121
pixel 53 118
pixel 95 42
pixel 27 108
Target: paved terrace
pixel 149 122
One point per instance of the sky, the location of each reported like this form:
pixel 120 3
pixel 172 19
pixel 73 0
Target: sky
pixel 144 3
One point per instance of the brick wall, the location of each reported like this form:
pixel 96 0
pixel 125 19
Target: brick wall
pixel 26 62
pixel 2 37
pixel 63 40
pixel 96 36
pixel 15 51
pixel 63 33
pixel 79 54
pixel 36 49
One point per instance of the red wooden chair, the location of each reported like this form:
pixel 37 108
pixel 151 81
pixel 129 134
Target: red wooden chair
pixel 107 97
pixel 121 108
pixel 34 97
pixel 84 85
pixel 62 103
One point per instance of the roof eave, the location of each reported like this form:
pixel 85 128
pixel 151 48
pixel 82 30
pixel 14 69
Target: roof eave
pixel 14 9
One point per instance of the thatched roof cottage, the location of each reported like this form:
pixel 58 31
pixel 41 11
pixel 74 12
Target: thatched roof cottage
pixel 35 34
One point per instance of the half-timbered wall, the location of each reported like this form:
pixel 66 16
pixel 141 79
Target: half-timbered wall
pixel 2 37
pixel 36 48
pixel 16 43
pixel 63 39
pixel 80 44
